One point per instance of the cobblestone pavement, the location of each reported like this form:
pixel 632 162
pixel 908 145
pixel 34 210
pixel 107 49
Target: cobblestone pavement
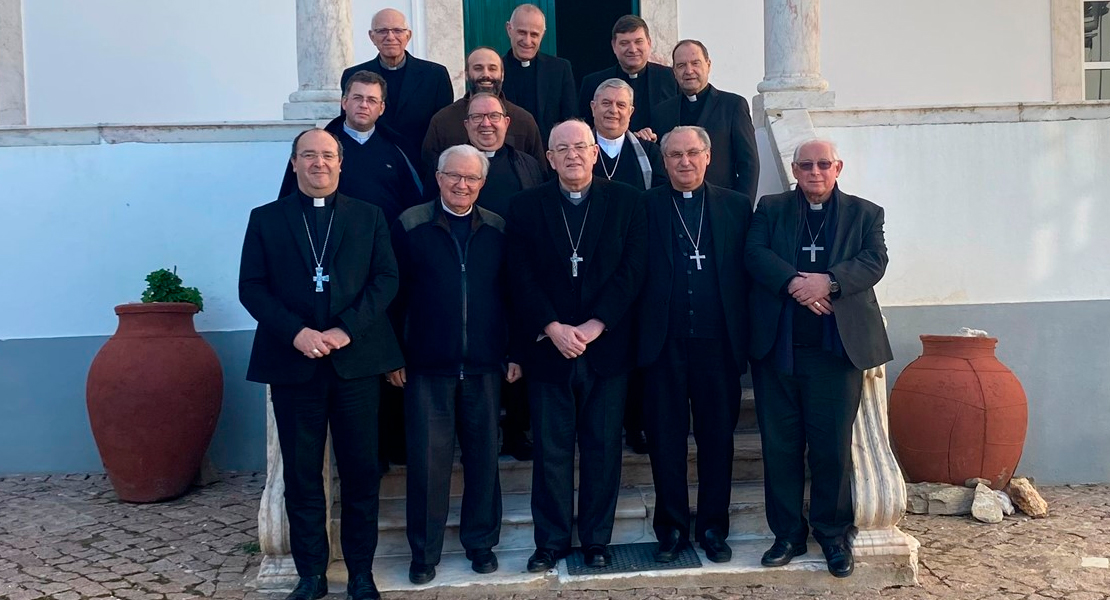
pixel 67 537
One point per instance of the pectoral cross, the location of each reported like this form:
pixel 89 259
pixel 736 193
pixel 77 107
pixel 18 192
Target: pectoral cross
pixel 320 278
pixel 697 255
pixel 812 248
pixel 574 260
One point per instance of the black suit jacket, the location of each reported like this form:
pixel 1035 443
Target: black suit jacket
pixel 426 90
pixel 661 85
pixel 555 94
pixel 613 247
pixel 727 119
pixel 857 260
pixel 729 217
pixel 276 288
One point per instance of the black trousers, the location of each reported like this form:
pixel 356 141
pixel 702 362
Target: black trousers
pixel 586 408
pixel 691 375
pixel 303 413
pixel 514 398
pixel 437 408
pixel 391 419
pixel 814 407
pixel 634 403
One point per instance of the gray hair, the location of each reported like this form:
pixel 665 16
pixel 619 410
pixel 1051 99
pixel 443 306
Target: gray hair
pixel 616 83
pixel 530 9
pixel 700 131
pixel 832 147
pixel 463 150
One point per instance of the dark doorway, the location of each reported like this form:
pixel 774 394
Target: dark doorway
pixel 585 31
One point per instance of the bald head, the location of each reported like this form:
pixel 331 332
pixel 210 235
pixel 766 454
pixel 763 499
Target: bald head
pixel 526 28
pixel 390 34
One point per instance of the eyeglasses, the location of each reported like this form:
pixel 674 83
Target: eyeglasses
pixel 311 156
pixel 371 100
pixel 690 154
pixel 385 31
pixel 806 165
pixel 477 118
pixel 454 178
pixel 579 148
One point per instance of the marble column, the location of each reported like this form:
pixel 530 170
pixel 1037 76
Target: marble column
pixel 13 89
pixel 324 48
pixel 878 489
pixel 1066 17
pixel 791 58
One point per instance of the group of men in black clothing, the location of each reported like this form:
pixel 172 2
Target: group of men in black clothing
pixel 471 246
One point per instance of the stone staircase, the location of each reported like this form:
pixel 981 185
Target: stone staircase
pixel 885 556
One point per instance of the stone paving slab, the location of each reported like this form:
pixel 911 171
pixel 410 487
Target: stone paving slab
pixel 68 537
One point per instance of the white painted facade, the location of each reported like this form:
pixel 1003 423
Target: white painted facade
pixel 135 61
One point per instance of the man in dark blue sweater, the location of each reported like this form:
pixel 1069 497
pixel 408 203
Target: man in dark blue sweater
pixel 450 312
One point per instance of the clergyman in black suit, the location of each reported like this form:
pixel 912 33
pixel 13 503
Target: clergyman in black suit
pixel 539 83
pixel 418 88
pixel 317 273
pixel 815 255
pixel 651 82
pixel 692 321
pixel 576 251
pixel 723 114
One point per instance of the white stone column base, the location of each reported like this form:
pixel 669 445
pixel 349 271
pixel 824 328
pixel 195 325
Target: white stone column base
pixel 890 546
pixel 277 573
pixel 311 111
pixel 770 103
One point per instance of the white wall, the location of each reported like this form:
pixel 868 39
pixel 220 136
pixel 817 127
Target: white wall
pixel 137 61
pixel 985 213
pixel 86 224
pixel 884 53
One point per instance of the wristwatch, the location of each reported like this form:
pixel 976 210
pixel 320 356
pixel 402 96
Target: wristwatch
pixel 834 287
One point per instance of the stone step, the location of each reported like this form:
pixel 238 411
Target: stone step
pixel 516 476
pixel 455 578
pixel 635 510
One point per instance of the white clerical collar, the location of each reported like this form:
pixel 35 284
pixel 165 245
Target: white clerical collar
pixel 490 153
pixel 400 65
pixel 611 148
pixel 817 206
pixel 525 63
pixel 453 213
pixel 692 97
pixel 687 195
pixel 318 202
pixel 358 136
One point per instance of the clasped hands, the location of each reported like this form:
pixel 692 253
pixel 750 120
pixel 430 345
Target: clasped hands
pixel 811 290
pixel 571 341
pixel 316 344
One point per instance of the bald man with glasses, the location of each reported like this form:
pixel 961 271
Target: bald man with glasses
pixel 814 254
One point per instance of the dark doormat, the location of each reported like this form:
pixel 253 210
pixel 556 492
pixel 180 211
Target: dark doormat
pixel 629 558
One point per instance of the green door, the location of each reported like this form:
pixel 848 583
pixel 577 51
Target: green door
pixel 484 23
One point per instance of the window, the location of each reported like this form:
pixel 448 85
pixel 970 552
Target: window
pixel 1096 50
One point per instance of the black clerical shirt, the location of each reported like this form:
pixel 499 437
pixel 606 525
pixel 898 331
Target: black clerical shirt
pixel 524 85
pixel 696 310
pixel 502 181
pixel 689 111
pixel 376 172
pixel 318 220
pixel 809 326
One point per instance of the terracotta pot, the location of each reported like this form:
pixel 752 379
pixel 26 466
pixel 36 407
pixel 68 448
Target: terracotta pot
pixel 154 393
pixel 957 412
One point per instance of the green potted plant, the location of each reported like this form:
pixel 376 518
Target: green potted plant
pixel 154 393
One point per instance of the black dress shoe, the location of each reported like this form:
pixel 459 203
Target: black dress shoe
pixel 716 549
pixel 518 446
pixel 781 552
pixel 420 574
pixel 839 558
pixel 543 559
pixel 670 545
pixel 361 587
pixel 598 556
pixel 482 561
pixel 637 441
pixel 310 588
